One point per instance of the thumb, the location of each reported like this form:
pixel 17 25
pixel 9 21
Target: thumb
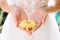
pixel 43 19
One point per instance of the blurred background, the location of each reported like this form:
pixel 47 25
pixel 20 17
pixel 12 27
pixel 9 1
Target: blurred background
pixel 3 16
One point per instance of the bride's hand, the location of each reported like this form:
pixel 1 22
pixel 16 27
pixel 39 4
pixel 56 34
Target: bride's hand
pixel 19 15
pixel 39 17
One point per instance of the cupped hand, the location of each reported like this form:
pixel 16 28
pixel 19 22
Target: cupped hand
pixel 39 17
pixel 18 16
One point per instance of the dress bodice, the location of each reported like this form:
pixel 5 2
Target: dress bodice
pixel 28 5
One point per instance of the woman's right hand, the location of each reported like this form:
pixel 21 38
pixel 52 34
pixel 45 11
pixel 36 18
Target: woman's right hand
pixel 19 15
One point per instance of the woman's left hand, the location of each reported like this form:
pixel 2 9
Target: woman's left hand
pixel 39 17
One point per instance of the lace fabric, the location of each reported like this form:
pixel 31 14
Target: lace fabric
pixel 29 5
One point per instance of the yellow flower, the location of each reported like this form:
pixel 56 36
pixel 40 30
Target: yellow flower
pixel 27 24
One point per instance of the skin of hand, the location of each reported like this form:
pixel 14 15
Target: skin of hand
pixel 7 8
pixel 57 3
pixel 50 9
pixel 4 5
pixel 19 15
pixel 39 17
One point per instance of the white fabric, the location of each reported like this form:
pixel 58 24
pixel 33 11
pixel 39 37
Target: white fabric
pixel 49 31
pixel 28 5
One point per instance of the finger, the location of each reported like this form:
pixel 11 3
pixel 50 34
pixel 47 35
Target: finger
pixel 44 18
pixel 29 32
pixel 35 28
pixel 22 28
pixel 37 20
pixel 20 15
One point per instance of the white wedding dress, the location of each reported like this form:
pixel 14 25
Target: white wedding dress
pixel 49 31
